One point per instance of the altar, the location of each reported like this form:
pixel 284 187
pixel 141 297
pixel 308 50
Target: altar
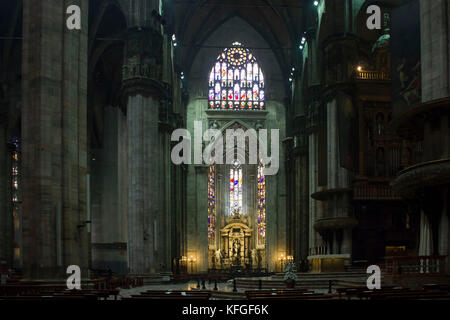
pixel 236 248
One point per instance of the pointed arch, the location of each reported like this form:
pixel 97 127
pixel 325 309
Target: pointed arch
pixel 236 81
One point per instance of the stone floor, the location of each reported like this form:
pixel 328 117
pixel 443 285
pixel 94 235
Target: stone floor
pixel 225 287
pixel 222 288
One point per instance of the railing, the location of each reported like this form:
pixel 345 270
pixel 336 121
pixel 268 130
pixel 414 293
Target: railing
pixel 374 191
pixel 319 250
pixel 415 265
pixel 372 75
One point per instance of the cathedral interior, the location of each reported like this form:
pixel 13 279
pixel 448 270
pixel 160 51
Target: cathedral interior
pixel 359 117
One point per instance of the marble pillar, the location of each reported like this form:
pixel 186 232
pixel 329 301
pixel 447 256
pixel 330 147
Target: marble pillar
pixel 141 95
pixel 435 52
pixel 4 250
pixel 143 182
pixel 435 48
pixel 54 134
pixel 200 251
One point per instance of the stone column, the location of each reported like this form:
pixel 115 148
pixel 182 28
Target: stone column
pixel 4 251
pixel 9 123
pixel 347 240
pixel 202 214
pixel 435 52
pixel 141 94
pixel 435 43
pixel 54 133
pixel 313 54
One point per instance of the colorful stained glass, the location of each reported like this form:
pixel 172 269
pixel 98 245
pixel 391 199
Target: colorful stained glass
pixel 243 96
pixel 255 72
pixel 243 75
pixel 16 200
pixel 261 200
pixel 236 75
pixel 211 204
pixel 230 74
pixel 236 92
pixel 211 79
pixel 255 92
pixel 236 189
pixel 224 70
pixel 239 79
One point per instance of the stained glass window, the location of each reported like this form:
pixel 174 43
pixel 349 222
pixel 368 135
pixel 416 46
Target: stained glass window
pixel 16 197
pixel 211 204
pixel 236 189
pixel 236 81
pixel 261 199
pixel 15 173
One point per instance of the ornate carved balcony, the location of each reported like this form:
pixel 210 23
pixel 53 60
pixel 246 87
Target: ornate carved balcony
pixel 425 174
pixel 372 75
pixel 371 190
pixel 334 223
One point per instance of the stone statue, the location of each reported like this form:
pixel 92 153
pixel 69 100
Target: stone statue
pixel 258 258
pixel 145 68
pixel 218 257
pixel 254 258
pixel 214 125
pixel 236 248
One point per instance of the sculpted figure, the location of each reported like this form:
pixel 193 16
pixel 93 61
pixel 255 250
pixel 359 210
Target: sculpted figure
pixel 218 257
pixel 254 258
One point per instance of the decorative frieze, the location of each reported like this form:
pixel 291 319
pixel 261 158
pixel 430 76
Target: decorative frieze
pixel 143 55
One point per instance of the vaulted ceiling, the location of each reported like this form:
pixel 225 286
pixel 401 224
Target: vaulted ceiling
pixel 279 22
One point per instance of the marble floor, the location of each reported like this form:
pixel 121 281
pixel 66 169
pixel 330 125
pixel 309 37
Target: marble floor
pixel 222 288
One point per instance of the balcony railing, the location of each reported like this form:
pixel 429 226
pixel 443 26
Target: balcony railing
pixel 374 191
pixel 415 265
pixel 372 75
pixel 319 250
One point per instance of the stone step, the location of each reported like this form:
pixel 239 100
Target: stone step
pixel 305 281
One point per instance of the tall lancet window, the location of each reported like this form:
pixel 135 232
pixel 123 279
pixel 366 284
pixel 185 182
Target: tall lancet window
pixel 236 189
pixel 261 199
pixel 236 81
pixel 16 197
pixel 211 204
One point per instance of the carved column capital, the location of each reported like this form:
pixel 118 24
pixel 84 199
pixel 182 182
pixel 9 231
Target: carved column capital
pixel 143 65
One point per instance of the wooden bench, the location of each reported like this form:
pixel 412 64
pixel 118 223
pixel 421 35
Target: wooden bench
pixel 48 290
pixel 26 289
pixel 410 295
pixel 283 295
pixel 49 297
pixel 178 294
pixel 359 292
pixel 171 294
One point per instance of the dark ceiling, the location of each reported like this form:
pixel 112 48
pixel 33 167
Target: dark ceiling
pixel 280 23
